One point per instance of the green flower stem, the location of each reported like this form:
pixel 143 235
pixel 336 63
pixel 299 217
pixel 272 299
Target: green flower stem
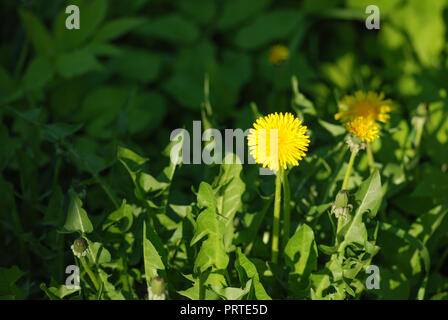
pixel 338 230
pixel 370 156
pixel 286 210
pixel 349 169
pixel 276 224
pixel 90 273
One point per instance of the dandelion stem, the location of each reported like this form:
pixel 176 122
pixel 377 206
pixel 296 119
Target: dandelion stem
pixel 371 159
pixel 349 169
pixel 276 224
pixel 286 209
pixel 90 273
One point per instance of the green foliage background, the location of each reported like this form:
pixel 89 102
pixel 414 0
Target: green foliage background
pixel 86 117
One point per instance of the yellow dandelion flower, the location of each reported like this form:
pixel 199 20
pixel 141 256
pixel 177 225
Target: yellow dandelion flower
pixel 290 134
pixel 278 54
pixel 371 106
pixel 365 129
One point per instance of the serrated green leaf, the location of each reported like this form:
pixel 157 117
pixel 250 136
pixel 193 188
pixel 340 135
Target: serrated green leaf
pixel 368 199
pixel 152 258
pixel 229 191
pixel 246 271
pixel 8 279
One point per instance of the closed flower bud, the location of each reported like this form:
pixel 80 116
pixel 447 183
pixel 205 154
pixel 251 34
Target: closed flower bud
pixel 157 291
pixel 80 247
pixel 341 208
pixel 341 199
pixel 354 143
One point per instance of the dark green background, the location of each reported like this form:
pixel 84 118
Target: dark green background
pixel 135 71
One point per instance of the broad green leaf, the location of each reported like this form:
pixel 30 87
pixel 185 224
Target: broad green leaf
pixel 181 210
pixel 227 79
pixel 119 221
pixel 212 254
pixel 206 196
pixel 57 291
pixel 435 134
pixel 92 14
pixel 272 26
pixel 393 284
pixel 99 253
pixel 38 33
pixel 368 197
pixel 201 11
pixel 147 113
pixel 207 223
pixel 184 90
pixel 117 28
pixel 53 215
pixel 425 26
pixel 301 254
pixel 59 131
pixel 100 109
pixel 136 64
pixel 171 28
pixel 426 224
pixel 235 12
pixel 103 49
pixel 193 292
pixel 231 293
pixel 131 159
pixel 420 249
pixel 76 63
pixel 143 182
pixel 77 219
pixel 38 74
pixel 341 71
pixel 334 129
pixel 300 103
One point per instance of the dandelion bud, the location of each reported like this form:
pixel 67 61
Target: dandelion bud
pixel 341 199
pixel 355 143
pixel 157 290
pixel 341 208
pixel 80 247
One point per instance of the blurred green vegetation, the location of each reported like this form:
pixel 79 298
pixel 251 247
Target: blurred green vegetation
pixel 135 71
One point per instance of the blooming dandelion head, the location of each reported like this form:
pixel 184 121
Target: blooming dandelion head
pixel 371 106
pixel 287 131
pixel 278 54
pixel 365 129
